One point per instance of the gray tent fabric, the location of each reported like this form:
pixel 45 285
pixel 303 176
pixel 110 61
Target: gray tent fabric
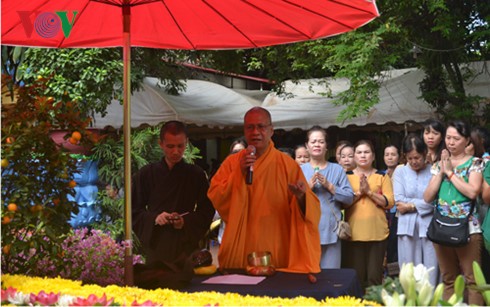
pixel 398 96
pixel 209 104
pixel 203 103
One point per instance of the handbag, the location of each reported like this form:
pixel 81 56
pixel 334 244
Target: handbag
pixel 449 231
pixel 343 228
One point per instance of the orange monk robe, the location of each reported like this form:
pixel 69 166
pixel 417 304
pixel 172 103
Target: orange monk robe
pixel 265 216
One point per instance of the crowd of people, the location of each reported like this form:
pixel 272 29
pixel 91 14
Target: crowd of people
pixel 290 203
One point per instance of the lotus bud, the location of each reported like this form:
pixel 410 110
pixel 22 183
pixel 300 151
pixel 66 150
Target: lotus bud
pixel 395 300
pixel 401 299
pixel 437 295
pixel 398 299
pixel 387 299
pixel 459 285
pixel 425 294
pixel 406 276
pixel 422 275
pixel 480 281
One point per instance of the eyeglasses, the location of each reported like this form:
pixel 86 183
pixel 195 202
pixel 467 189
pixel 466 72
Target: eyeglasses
pixel 259 127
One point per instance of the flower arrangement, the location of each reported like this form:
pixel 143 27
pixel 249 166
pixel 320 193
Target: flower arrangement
pixel 89 256
pixel 21 290
pixel 414 289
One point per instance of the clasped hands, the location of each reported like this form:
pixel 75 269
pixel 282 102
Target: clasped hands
pixel 364 189
pixel 404 207
pixel 445 164
pixel 318 177
pixel 173 219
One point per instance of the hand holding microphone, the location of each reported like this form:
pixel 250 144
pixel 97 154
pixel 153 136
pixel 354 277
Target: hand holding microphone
pixel 250 171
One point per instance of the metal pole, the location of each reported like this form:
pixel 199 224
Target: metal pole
pixel 128 254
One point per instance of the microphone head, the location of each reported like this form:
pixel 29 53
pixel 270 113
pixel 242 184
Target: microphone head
pixel 251 149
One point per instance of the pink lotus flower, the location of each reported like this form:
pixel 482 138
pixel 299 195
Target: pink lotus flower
pixel 92 300
pixel 6 294
pixel 44 298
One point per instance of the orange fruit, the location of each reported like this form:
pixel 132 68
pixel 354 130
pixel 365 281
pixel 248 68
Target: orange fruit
pixel 56 201
pixel 76 135
pixel 72 184
pixel 6 249
pixel 6 220
pixel 12 207
pixel 73 141
pixel 9 140
pixel 5 163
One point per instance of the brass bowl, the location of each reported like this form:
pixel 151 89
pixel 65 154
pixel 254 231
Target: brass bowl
pixel 259 259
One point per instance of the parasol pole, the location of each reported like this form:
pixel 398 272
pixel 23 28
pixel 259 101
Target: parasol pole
pixel 128 252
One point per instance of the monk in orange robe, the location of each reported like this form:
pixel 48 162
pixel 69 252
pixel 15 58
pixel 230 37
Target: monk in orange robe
pixel 277 212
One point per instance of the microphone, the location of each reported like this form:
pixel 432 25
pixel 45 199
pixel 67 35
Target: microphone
pixel 250 171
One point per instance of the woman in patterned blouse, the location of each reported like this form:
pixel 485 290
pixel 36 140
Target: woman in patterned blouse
pixel 456 182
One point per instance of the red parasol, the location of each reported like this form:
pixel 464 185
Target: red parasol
pixel 174 24
pixel 178 24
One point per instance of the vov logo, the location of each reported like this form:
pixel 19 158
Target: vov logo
pixel 47 24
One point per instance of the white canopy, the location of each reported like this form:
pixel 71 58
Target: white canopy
pixel 209 104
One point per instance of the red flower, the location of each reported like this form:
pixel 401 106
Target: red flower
pixel 6 294
pixel 44 298
pixel 92 300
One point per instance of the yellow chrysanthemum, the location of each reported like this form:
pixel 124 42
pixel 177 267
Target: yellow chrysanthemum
pixel 165 297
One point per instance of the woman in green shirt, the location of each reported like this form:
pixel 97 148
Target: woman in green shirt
pixel 456 182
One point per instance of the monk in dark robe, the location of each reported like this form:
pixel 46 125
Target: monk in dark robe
pixel 171 211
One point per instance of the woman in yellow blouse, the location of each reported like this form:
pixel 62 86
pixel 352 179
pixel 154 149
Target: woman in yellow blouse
pixel 373 195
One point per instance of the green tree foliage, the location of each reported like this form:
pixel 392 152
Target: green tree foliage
pixel 92 77
pixel 445 34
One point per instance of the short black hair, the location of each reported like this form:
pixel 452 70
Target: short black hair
pixel 462 127
pixel 173 127
pixel 414 142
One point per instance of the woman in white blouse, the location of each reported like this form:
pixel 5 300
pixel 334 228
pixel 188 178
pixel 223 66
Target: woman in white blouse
pixel 414 214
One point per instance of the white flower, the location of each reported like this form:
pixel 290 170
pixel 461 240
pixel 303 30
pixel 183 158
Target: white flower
pixel 421 274
pixel 406 276
pixel 65 300
pixel 19 298
pixel 395 300
pixel 425 294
